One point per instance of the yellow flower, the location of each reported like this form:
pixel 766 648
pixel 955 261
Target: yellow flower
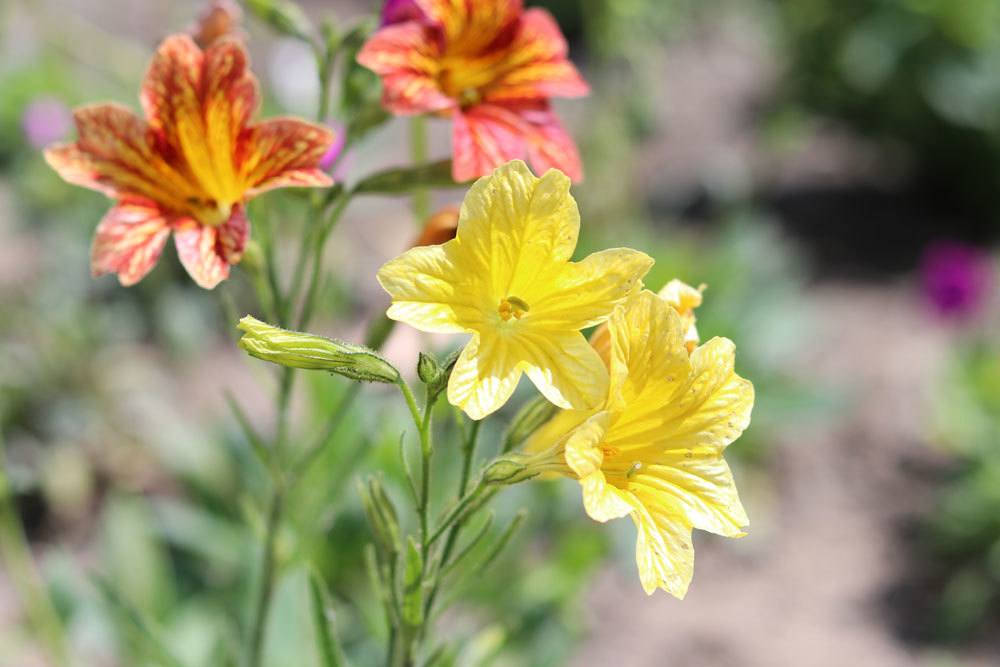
pixel 506 278
pixel 654 450
pixel 682 297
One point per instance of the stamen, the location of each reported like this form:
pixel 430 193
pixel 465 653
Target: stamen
pixel 512 307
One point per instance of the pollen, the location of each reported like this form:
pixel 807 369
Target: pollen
pixel 512 307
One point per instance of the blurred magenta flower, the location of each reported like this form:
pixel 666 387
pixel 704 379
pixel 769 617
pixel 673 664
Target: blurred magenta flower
pixel 398 11
pixel 45 121
pixel 332 155
pixel 957 279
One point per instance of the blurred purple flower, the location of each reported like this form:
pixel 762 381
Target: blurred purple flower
pixel 336 148
pixel 398 11
pixel 957 279
pixel 46 120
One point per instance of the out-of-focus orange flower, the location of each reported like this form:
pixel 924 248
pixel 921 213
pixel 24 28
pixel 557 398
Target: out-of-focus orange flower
pixel 492 67
pixel 190 166
pixel 221 18
pixel 440 227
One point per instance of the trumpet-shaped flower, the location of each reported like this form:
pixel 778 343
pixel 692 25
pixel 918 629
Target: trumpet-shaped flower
pixel 492 67
pixel 190 166
pixel 654 450
pixel 506 278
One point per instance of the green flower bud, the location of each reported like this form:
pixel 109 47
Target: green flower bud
pixel 528 419
pixel 429 370
pixel 301 350
pixel 413 594
pixel 508 470
pixel 435 375
pixel 382 518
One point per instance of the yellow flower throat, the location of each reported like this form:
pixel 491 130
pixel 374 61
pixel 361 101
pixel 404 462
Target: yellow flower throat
pixel 512 307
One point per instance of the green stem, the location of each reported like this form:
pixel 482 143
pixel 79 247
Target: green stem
pixel 418 155
pixel 267 577
pixel 27 581
pixel 330 223
pixel 468 454
pixel 457 511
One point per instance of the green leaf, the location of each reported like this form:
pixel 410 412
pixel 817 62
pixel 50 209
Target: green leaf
pixel 331 654
pixel 143 634
pixel 504 539
pixel 403 180
pixel 284 16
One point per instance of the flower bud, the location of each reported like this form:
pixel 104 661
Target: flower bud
pixel 434 374
pixel 439 228
pixel 413 594
pixel 528 419
pixel 219 20
pixel 428 369
pixel 382 518
pixel 301 350
pixel 508 470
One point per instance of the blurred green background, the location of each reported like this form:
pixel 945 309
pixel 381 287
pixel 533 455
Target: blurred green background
pixel 830 170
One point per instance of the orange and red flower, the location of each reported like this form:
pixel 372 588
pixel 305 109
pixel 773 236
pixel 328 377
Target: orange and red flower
pixel 490 65
pixel 190 166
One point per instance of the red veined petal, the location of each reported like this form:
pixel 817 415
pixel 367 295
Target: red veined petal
pixel 208 252
pixel 197 103
pixel 549 144
pixel 285 152
pixel 484 137
pixel 407 56
pixel 129 241
pixel 113 155
pixel 170 87
pixel 537 65
pixel 472 26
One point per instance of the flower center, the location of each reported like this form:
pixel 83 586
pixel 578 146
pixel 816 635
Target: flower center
pixel 209 211
pixel 469 97
pixel 512 307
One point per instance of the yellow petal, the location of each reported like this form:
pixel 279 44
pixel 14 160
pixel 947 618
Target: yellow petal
pixel 518 229
pixel 428 292
pixel 601 500
pixel 583 451
pixel 700 487
pixel 715 404
pixel 564 367
pixel 484 377
pixel 554 430
pixel 684 300
pixel 663 551
pixel 585 293
pixel 649 361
